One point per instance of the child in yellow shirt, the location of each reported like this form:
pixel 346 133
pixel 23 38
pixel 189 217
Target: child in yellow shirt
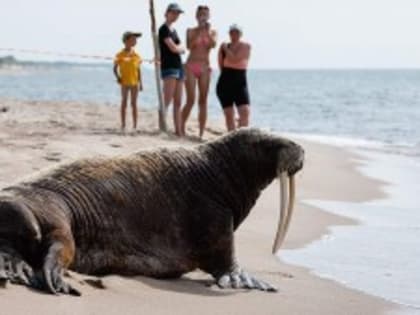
pixel 127 72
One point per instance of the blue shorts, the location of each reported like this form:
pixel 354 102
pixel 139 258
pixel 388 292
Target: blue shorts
pixel 176 73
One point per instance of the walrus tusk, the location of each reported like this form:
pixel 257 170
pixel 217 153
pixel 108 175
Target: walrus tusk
pixel 283 214
pixel 292 193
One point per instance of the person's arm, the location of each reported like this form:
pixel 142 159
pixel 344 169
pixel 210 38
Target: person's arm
pixel 165 36
pixel 116 73
pixel 176 49
pixel 213 38
pixel 243 53
pixel 221 56
pixel 140 79
pixel 190 40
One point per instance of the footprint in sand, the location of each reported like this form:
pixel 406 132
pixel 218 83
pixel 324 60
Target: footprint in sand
pixel 214 131
pixel 38 146
pixel 94 114
pixel 53 157
pixel 279 274
pixel 95 283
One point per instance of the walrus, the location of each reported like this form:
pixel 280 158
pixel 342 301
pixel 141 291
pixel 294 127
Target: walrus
pixel 159 213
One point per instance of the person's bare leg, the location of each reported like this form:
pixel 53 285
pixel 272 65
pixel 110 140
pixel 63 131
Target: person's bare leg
pixel 229 117
pixel 177 107
pixel 134 91
pixel 244 113
pixel 169 85
pixel 190 84
pixel 124 97
pixel 203 86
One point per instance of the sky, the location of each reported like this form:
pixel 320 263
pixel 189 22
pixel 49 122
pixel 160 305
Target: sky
pixel 285 34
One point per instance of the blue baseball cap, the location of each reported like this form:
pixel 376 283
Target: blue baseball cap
pixel 174 7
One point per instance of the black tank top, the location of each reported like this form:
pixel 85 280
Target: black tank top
pixel 168 58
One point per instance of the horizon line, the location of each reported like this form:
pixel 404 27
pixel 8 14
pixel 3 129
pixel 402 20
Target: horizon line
pixel 308 68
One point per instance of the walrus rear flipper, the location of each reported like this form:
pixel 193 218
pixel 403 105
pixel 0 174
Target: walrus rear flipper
pixel 30 257
pixel 19 233
pixel 13 268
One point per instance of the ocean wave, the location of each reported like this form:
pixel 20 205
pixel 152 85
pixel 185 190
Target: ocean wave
pixel 406 149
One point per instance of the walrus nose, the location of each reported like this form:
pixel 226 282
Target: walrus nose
pixel 301 158
pixel 297 163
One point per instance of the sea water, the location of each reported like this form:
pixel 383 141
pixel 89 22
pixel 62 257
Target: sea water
pixel 381 105
pixel 381 256
pixel 374 112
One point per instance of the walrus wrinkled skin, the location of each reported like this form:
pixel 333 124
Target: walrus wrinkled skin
pixel 158 213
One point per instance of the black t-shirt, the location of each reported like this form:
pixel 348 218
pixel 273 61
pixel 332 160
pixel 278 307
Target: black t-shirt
pixel 168 58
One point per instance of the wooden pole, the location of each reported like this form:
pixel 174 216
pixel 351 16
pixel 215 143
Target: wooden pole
pixel 162 110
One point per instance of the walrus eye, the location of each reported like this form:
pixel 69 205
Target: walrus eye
pixel 287 200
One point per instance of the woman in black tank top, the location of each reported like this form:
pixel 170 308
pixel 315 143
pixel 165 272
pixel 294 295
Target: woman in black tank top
pixel 171 64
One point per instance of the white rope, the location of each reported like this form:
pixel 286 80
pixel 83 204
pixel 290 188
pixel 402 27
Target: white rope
pixel 61 54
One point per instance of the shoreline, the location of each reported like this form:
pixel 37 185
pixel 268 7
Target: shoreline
pixel 385 235
pixel 38 135
pixel 381 229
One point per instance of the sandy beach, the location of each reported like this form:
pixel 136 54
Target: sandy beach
pixel 37 135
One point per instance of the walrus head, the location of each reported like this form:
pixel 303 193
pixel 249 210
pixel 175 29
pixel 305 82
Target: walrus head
pixel 265 156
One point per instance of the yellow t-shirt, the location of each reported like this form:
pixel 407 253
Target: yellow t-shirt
pixel 129 65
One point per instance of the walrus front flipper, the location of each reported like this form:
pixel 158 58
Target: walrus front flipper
pixel 59 256
pixel 239 279
pixel 220 262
